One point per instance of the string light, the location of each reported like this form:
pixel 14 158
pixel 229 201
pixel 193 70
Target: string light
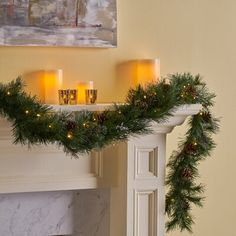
pixel 50 126
pixel 86 125
pixel 38 115
pixel 26 112
pixel 166 81
pixel 144 96
pixel 8 93
pixel 69 136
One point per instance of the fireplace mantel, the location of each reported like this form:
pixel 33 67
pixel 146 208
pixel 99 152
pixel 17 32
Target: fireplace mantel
pixel 134 171
pixel 27 180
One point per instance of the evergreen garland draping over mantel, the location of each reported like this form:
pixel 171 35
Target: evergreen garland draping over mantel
pixel 79 132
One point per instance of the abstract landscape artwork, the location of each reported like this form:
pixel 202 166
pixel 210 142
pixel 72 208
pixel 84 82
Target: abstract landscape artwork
pixel 69 23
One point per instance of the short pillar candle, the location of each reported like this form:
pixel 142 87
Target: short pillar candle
pixel 82 87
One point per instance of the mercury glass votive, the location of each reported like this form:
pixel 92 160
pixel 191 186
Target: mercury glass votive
pixel 90 96
pixel 63 96
pixel 72 93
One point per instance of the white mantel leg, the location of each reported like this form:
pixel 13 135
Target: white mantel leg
pixel 138 200
pixel 145 186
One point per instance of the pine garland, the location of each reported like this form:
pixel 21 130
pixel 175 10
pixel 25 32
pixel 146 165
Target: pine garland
pixel 80 132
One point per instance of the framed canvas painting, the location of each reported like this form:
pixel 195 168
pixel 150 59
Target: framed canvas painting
pixel 72 23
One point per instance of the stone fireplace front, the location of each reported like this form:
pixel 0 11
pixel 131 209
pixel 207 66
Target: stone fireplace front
pixel 77 213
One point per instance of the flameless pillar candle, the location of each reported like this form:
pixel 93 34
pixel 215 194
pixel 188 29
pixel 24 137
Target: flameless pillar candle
pixel 53 83
pixel 147 71
pixel 81 87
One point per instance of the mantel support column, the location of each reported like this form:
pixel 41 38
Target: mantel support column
pixel 146 186
pixel 138 199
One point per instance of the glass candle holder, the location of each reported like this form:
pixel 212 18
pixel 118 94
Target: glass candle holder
pixel 90 96
pixel 68 96
pixel 72 93
pixel 63 96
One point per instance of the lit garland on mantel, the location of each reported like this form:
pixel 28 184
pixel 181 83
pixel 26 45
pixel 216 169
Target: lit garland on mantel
pixel 79 132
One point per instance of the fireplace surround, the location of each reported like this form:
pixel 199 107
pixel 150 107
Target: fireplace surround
pixel 117 191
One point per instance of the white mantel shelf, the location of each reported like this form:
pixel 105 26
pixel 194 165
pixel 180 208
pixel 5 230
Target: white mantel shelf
pixel 179 115
pixel 81 107
pixel 181 110
pixel 134 171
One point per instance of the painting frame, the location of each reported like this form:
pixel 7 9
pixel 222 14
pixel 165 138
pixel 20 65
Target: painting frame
pixel 61 23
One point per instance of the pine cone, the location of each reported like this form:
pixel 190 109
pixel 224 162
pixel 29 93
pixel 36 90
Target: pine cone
pixel 185 205
pixel 101 117
pixel 191 148
pixel 71 125
pixel 187 173
pixel 206 116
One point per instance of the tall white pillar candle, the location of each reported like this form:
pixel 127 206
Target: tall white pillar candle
pixel 147 71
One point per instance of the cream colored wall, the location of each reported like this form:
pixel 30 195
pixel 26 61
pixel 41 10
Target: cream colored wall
pixel 187 35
